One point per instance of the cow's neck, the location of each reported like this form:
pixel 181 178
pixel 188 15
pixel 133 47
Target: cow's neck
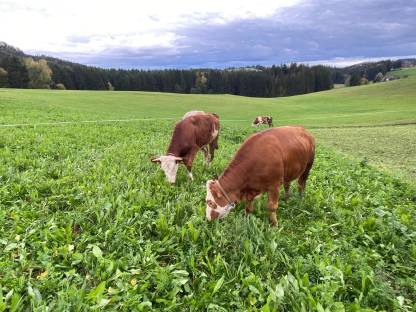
pixel 232 185
pixel 173 150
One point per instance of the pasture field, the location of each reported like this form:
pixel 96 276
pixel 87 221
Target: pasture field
pixel 87 222
pixel 382 103
pixel 392 148
pixel 409 72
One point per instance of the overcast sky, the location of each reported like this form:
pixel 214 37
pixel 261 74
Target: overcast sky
pixel 214 33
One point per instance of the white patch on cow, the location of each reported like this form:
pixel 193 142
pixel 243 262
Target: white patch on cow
pixel 190 176
pixel 207 198
pixel 169 165
pixel 221 210
pixel 192 113
pixel 207 156
pixel 214 134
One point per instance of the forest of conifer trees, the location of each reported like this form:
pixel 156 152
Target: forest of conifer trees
pixel 18 70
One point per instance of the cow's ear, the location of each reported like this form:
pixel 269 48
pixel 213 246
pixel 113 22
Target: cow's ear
pixel 155 159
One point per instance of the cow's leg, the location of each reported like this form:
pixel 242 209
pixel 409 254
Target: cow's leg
pixel 302 179
pixel 287 190
pixel 205 150
pixel 189 160
pixel 249 207
pixel 273 205
pixel 212 147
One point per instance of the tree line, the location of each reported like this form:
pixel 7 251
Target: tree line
pixel 18 71
pixel 371 71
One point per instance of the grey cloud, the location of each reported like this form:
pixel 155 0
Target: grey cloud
pixel 313 30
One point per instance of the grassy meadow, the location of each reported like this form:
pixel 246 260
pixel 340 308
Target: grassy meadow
pixel 402 73
pixel 87 222
pixel 391 148
pixel 383 103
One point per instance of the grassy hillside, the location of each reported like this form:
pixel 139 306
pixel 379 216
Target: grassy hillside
pixel 389 102
pixel 409 72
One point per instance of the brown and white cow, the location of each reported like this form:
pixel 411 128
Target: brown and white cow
pixel 207 150
pixel 263 120
pixel 264 162
pixel 190 134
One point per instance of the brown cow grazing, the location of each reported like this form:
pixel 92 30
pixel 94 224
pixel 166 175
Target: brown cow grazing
pixel 208 150
pixel 190 134
pixel 263 120
pixel 264 162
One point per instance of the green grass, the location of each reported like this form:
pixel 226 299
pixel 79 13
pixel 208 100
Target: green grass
pixel 87 222
pixel 392 148
pixel 409 72
pixel 365 105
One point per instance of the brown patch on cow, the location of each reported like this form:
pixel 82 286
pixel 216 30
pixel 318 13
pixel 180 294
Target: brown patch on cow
pixel 214 214
pixel 211 204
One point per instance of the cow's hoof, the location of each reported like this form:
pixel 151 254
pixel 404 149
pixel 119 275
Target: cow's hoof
pixel 274 223
pixel 249 211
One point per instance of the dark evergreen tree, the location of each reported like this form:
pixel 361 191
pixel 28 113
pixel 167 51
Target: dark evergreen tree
pixel 3 77
pixel 17 74
pixel 355 79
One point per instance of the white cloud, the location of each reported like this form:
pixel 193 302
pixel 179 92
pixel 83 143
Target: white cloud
pixel 348 61
pixel 91 26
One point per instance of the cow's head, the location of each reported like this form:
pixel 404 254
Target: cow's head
pixel 169 165
pixel 255 121
pixel 217 205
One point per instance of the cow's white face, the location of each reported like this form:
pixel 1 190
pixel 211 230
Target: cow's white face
pixel 169 165
pixel 214 210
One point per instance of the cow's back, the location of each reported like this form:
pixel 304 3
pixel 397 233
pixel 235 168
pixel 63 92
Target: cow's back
pixel 206 128
pixel 193 130
pixel 274 155
pixel 193 113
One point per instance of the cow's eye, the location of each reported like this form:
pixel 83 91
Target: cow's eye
pixel 211 204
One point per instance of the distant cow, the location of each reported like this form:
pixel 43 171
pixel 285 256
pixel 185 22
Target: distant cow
pixel 263 120
pixel 198 131
pixel 264 162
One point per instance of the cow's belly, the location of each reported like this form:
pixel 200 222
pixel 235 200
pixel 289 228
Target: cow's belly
pixel 293 171
pixel 261 178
